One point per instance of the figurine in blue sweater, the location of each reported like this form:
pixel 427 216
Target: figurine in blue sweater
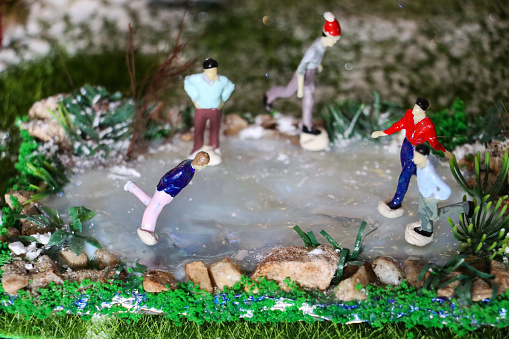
pixel 169 186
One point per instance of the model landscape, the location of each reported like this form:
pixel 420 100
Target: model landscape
pixel 274 231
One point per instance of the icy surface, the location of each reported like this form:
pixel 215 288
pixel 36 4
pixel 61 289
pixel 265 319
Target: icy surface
pixel 249 204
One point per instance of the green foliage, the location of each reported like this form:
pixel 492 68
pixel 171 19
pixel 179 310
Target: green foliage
pixel 66 232
pixel 345 257
pixel 440 276
pixel 34 168
pixel 486 233
pixel 349 119
pixel 491 125
pixel 481 190
pixel 451 125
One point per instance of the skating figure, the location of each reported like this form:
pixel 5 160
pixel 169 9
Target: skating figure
pixel 419 128
pixel 169 186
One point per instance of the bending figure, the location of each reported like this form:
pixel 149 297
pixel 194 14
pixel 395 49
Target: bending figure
pixel 169 186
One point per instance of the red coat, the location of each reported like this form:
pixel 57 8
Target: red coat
pixel 418 133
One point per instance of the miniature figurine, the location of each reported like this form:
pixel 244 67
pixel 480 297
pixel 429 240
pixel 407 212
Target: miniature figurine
pixel 303 81
pixel 169 186
pixel 432 190
pixel 419 128
pixel 209 91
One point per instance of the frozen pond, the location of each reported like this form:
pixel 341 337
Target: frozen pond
pixel 250 203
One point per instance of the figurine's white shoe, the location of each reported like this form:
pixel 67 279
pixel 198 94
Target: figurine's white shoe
pixel 148 237
pixel 127 186
pixel 387 212
pixel 311 142
pixel 414 238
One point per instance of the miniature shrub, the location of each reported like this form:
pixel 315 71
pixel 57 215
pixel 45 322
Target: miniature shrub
pixel 69 232
pixel 485 233
pixel 349 119
pixel 34 167
pixel 439 277
pixel 481 189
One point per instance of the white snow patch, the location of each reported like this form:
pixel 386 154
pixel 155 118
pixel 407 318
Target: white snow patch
pixel 251 132
pixel 123 173
pixel 43 238
pixel 285 124
pixel 17 248
pixel 316 251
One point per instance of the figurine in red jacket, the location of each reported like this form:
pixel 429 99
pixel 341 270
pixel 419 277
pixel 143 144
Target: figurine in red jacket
pixel 419 128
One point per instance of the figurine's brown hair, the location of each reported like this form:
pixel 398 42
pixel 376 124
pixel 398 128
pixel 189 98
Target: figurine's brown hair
pixel 201 159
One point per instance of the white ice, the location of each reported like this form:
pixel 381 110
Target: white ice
pixel 250 203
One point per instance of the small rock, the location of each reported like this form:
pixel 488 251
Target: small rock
pixel 21 195
pixel 412 269
pixel 14 277
pixel 40 109
pixel 45 271
pixel 105 258
pixel 42 280
pixel 347 289
pixel 234 124
pixel 69 258
pixel 199 274
pixel 309 267
pixel 480 290
pixel 187 137
pixel 225 273
pixel 266 121
pixel 155 281
pixel 13 232
pixel 46 131
pixel 350 270
pixel 44 263
pixel 448 291
pixel 30 228
pixel 501 273
pixel 93 275
pixel 387 271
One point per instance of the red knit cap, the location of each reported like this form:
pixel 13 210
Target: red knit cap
pixel 331 27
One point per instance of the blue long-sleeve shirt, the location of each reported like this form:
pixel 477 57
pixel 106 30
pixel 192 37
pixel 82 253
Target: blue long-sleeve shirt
pixel 207 93
pixel 175 180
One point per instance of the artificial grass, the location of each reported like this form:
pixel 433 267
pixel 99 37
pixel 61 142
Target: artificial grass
pixel 157 326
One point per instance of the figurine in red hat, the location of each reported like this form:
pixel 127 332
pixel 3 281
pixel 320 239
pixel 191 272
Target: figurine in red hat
pixel 303 81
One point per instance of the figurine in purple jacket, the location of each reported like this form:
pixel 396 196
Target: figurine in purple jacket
pixel 303 81
pixel 169 186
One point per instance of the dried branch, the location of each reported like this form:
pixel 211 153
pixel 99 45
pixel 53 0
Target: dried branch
pixel 151 104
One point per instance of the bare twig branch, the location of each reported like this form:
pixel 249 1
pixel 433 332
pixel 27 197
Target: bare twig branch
pixel 150 106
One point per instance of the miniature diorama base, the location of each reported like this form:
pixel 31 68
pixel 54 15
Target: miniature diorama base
pixel 384 209
pixel 414 238
pixel 311 142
